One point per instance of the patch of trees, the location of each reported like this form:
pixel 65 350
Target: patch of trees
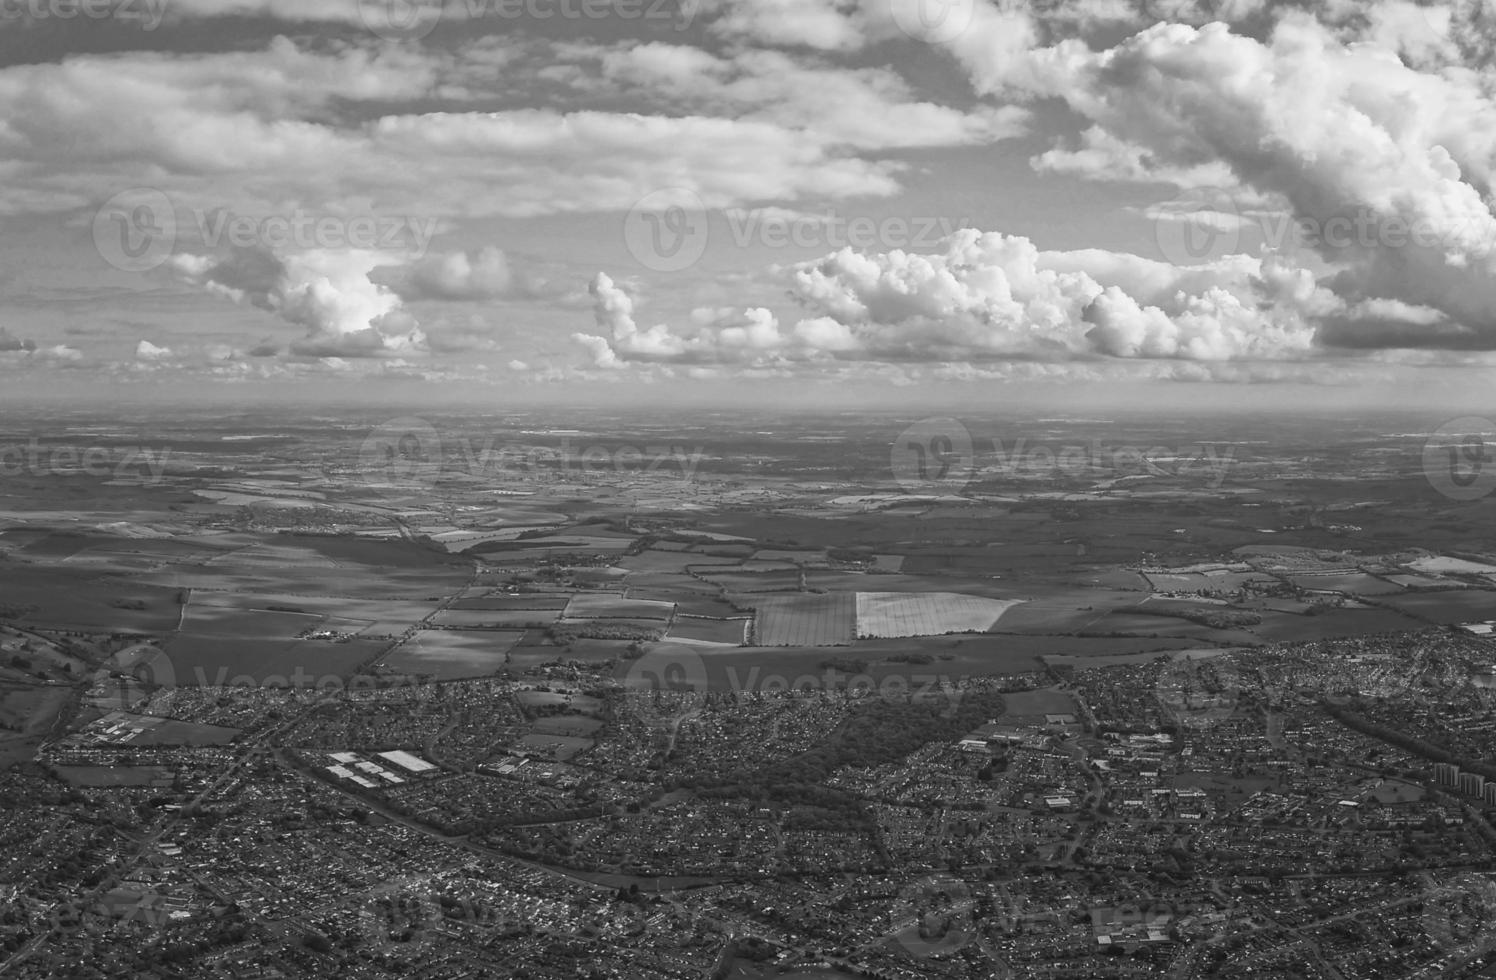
pixel 562 635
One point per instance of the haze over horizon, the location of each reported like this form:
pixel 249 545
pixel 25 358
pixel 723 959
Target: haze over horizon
pixel 1187 206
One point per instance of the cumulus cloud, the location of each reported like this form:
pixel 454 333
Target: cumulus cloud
pixel 329 293
pixel 1392 167
pixel 714 335
pixel 993 297
pixel 613 310
pixel 485 274
pixel 1324 111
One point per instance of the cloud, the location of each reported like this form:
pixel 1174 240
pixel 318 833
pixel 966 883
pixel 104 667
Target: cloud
pixel 147 351
pixel 1392 167
pixel 991 297
pixel 10 342
pixel 57 354
pixel 870 108
pixel 613 310
pixel 715 335
pixel 485 274
pixel 329 293
pixel 250 131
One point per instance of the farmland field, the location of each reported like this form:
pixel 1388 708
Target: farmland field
pixel 1067 612
pixel 367 582
pixel 605 605
pixel 732 668
pixel 1441 565
pixel 805 620
pixel 1223 581
pixel 1454 606
pixel 1335 622
pixel 798 557
pixel 501 618
pixel 332 608
pixel 66 599
pixel 690 603
pixel 225 621
pixel 447 654
pixel 688 630
pixel 890 614
pixel 668 561
pixel 556 602
pixel 213 661
pixel 837 581
pixel 737 581
pixel 1355 583
pixel 599 626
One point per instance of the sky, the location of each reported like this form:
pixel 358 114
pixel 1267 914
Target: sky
pixel 800 203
